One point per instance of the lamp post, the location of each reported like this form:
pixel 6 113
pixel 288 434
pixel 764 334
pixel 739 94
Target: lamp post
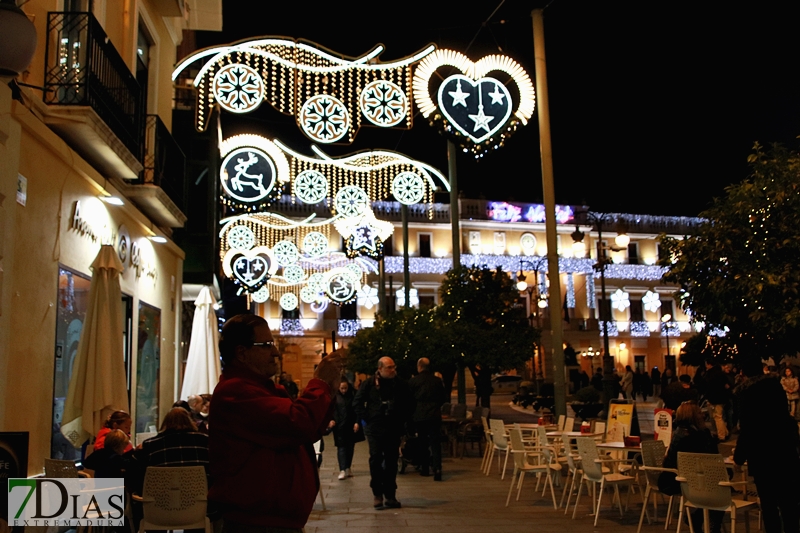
pixel 598 220
pixel 535 306
pixel 665 326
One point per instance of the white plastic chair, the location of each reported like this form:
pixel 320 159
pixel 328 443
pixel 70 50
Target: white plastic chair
pixel 562 421
pixel 593 473
pixel 544 457
pixel 600 427
pixel 174 497
pixel 705 485
pixel 488 435
pixel 653 452
pixel 499 444
pixel 569 424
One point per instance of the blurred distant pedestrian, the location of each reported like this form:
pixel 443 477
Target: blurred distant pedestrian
pixel 655 377
pixel 428 393
pixel 791 386
pixel 346 429
pixel 627 383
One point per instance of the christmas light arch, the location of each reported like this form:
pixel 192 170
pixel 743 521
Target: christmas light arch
pixel 330 95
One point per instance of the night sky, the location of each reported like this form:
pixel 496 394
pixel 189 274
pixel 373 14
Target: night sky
pixel 654 106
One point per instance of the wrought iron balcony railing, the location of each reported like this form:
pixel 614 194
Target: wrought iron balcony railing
pixel 84 69
pixel 164 161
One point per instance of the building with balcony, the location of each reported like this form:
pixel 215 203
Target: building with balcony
pixel 512 236
pixel 87 157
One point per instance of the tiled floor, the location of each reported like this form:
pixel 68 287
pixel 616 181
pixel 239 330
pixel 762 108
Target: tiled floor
pixel 466 501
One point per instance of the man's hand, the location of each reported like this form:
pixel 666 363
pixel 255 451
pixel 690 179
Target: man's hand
pixel 330 369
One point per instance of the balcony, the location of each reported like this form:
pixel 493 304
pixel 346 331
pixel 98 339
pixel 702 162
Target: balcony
pixel 160 190
pixel 98 101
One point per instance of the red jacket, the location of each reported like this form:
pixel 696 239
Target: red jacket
pixel 262 471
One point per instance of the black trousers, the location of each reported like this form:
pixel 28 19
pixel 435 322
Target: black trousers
pixel 430 436
pixel 779 504
pixel 384 451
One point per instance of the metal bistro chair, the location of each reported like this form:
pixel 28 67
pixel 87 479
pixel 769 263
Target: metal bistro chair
pixel 705 485
pixel 653 452
pixel 174 497
pixel 544 463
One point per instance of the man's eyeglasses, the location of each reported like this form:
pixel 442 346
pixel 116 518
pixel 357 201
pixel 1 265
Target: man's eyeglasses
pixel 268 344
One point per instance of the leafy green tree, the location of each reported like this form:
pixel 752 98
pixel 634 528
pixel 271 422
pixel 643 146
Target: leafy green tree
pixel 480 320
pixel 740 269
pixel 486 321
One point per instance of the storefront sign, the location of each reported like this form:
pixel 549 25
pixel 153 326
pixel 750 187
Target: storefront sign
pixel 534 213
pixel 663 425
pixel 13 463
pixel 620 417
pixel 92 223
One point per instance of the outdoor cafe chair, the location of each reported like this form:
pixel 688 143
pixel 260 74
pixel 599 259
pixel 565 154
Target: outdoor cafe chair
pixel 593 474
pixel 569 424
pixel 562 421
pixel 488 436
pixel 653 452
pixel 174 497
pixel 543 464
pixel 705 485
pixel 499 445
pixel 599 428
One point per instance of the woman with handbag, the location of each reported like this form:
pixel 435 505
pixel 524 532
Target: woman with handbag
pixel 346 429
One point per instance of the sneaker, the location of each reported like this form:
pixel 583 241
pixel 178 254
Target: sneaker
pixel 377 502
pixel 349 473
pixel 342 474
pixel 391 503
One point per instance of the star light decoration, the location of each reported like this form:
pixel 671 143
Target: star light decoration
pixel 472 107
pixel 330 95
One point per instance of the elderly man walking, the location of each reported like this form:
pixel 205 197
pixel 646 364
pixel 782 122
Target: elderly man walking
pixel 383 402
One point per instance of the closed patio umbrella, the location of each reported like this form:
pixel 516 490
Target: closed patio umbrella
pixel 202 364
pixel 98 385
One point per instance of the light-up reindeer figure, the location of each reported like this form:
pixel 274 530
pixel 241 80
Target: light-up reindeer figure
pixel 242 178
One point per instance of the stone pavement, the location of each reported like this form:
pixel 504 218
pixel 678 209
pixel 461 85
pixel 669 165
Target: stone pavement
pixel 466 501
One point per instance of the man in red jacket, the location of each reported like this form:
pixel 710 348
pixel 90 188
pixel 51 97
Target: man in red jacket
pixel 263 472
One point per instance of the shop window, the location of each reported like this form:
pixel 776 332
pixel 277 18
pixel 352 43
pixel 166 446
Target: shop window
pixel 148 354
pixel 640 363
pixel 668 307
pixel 633 253
pixel 290 315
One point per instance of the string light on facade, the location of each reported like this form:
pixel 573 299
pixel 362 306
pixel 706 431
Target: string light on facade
pixel 288 74
pixel 348 327
pixel 291 327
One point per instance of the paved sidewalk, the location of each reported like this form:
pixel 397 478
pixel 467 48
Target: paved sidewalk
pixel 466 501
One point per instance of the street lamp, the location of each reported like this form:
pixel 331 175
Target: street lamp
pixel 598 220
pixel 534 309
pixel 665 326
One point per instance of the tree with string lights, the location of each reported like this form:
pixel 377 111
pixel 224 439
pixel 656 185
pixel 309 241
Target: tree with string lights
pixel 739 271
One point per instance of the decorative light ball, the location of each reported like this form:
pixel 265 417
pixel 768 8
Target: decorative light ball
pixel 622 240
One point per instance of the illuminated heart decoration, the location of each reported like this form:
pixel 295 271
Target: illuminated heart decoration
pixel 460 97
pixel 478 109
pixel 250 268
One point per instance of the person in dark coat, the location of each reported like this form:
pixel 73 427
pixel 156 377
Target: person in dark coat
pixel 428 393
pixel 384 403
pixel 483 385
pixel 597 380
pixel 690 435
pixel 655 378
pixel 346 429
pixel 678 392
pixel 768 442
pixel 667 378
pixel 717 391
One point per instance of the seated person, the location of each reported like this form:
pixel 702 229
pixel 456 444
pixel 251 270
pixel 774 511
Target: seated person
pixel 177 444
pixel 108 461
pixel 690 435
pixel 678 392
pixel 117 420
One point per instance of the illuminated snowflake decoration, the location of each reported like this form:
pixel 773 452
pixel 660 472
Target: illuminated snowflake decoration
pixel 241 238
pixel 651 302
pixel 319 306
pixel 620 300
pixel 294 273
pixel 383 103
pixel 368 296
pixel 238 88
pixel 310 187
pixel 315 244
pixel 285 253
pixel 309 295
pixel 408 188
pixel 324 118
pixel 413 297
pixel 316 282
pixel 351 201
pixel 354 271
pixel 261 295
pixel 288 302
